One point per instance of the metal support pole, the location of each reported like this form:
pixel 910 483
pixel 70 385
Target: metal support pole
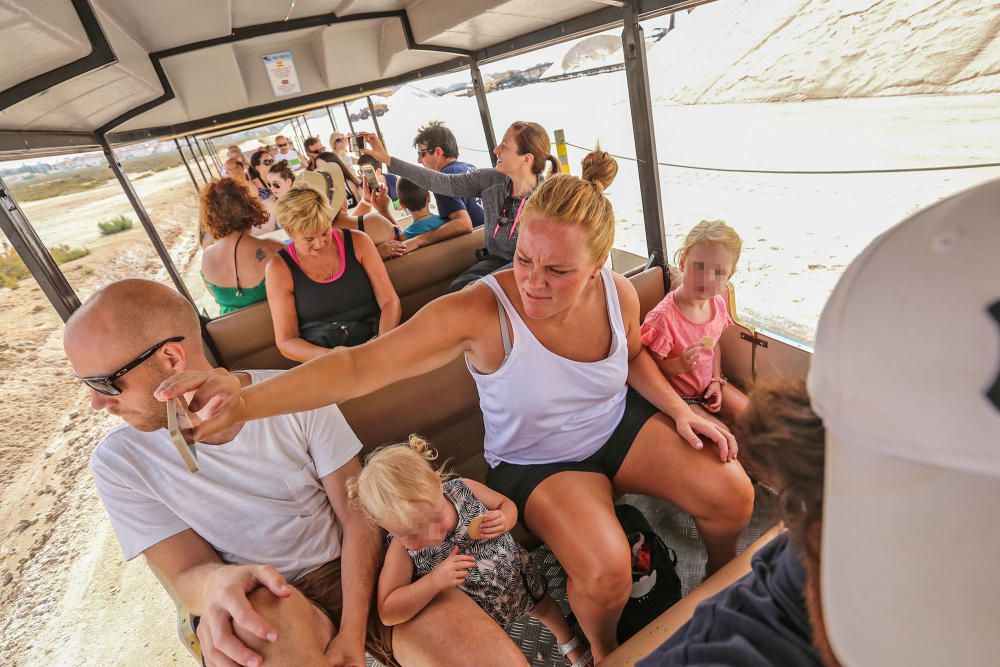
pixel 214 154
pixel 201 151
pixel 333 123
pixel 197 188
pixel 195 158
pixel 350 123
pixel 640 102
pixel 561 151
pixel 147 223
pixel 484 109
pixel 300 138
pixel 305 121
pixel 36 256
pixel 371 110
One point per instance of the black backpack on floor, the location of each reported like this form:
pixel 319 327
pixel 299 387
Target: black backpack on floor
pixel 655 584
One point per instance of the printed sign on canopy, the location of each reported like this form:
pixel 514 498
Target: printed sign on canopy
pixel 281 72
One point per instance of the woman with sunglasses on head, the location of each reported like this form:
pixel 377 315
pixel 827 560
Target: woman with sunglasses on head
pixel 233 266
pixel 521 159
pixel 338 145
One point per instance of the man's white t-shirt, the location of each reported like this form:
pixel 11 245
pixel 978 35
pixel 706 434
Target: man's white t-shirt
pixel 294 161
pixel 255 499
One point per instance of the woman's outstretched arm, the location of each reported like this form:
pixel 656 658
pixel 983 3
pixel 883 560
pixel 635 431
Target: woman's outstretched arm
pixel 439 332
pixel 470 184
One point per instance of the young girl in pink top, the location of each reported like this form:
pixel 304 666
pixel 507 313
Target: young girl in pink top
pixel 683 329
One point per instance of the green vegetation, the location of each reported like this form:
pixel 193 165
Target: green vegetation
pixel 13 270
pixel 119 224
pixel 152 163
pixel 60 183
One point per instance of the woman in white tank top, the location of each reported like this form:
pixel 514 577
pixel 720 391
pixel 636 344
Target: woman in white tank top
pixel 551 345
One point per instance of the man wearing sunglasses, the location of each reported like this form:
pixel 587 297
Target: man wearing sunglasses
pixel 267 507
pixel 313 147
pixel 286 152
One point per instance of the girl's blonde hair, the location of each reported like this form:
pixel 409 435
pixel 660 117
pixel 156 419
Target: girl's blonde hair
pixel 581 201
pixel 304 212
pixel 397 482
pixel 711 231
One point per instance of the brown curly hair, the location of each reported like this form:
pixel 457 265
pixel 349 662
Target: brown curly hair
pixel 227 205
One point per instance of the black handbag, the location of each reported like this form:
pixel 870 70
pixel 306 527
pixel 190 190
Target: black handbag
pixel 655 584
pixel 336 334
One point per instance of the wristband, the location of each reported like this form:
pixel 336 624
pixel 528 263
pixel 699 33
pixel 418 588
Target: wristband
pixel 722 380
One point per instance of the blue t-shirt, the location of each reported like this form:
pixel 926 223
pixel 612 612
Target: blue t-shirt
pixel 425 225
pixel 448 205
pixel 759 621
pixel 390 184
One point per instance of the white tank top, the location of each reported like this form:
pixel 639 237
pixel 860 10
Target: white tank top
pixel 539 407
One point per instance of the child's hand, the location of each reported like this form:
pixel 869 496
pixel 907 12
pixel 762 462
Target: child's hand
pixel 689 358
pixel 713 396
pixel 494 524
pixel 453 570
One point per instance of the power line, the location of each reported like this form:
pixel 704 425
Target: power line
pixel 800 171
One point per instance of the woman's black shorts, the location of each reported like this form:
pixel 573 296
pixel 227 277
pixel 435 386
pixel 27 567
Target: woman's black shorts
pixel 518 481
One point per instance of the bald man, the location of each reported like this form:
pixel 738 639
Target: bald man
pixel 286 152
pixel 268 506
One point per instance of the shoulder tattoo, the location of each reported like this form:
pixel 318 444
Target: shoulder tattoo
pixel 260 254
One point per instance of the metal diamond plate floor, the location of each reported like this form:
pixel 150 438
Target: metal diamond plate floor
pixel 678 531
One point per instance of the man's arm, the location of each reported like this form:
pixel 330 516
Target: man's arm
pixel 360 554
pixel 458 223
pixel 195 576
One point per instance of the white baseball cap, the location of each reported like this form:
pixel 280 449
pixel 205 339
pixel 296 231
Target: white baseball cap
pixel 906 376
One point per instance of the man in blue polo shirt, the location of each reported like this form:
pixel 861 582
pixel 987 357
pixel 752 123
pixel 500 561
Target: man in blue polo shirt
pixel 437 149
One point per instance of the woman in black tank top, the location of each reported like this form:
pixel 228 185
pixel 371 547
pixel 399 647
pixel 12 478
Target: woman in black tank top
pixel 329 287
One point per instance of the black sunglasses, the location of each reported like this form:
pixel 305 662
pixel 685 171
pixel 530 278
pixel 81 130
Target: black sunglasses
pixel 424 151
pixel 282 145
pixel 267 162
pixel 105 384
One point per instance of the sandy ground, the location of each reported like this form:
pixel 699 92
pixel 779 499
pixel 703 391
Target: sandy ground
pixel 66 597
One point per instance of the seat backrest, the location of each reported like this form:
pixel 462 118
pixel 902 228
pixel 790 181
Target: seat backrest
pixel 425 275
pixel 245 338
pixel 649 285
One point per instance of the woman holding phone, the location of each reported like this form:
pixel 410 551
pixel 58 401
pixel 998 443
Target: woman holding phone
pixel 521 159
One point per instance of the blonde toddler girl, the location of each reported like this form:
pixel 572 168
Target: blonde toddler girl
pixel 683 329
pixel 451 532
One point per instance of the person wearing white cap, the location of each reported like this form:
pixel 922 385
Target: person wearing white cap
pixel 889 480
pixel 906 379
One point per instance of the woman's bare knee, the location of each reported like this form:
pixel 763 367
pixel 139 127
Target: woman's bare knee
pixel 731 501
pixel 607 586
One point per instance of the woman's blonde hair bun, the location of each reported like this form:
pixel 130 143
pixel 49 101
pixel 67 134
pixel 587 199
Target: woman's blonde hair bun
pixel 599 169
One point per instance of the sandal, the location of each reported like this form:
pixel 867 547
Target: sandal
pixel 570 646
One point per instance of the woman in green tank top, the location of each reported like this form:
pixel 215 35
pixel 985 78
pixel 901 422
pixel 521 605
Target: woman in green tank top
pixel 233 266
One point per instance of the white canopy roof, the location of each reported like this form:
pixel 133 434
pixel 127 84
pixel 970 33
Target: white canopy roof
pixel 335 44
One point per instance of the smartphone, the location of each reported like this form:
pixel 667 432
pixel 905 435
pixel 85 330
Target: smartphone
pixel 369 174
pixel 181 423
pixel 357 142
